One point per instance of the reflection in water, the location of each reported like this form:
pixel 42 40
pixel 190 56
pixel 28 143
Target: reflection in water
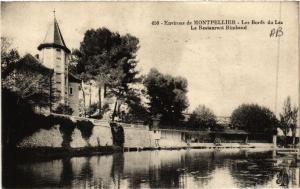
pixel 159 169
pixel 283 177
pixel 66 176
pixel 117 168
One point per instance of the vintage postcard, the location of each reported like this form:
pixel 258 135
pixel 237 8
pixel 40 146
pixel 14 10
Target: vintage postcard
pixel 133 94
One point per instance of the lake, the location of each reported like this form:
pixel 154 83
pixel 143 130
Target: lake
pixel 226 168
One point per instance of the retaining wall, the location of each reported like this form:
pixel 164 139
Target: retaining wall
pixel 138 137
pixel 101 136
pixel 44 138
pixel 134 137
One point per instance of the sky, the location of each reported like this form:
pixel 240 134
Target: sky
pixel 224 68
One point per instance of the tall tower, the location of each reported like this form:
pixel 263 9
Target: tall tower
pixel 54 54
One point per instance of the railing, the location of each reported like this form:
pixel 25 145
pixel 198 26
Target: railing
pixel 138 126
pixel 96 122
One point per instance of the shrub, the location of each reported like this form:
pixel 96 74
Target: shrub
pixel 66 129
pixel 118 134
pixel 63 109
pixel 86 129
pixel 92 109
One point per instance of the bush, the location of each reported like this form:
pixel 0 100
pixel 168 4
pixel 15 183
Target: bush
pixel 118 134
pixel 63 109
pixel 66 129
pixel 86 129
pixel 92 109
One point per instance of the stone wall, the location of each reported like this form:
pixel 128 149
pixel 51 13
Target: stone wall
pixel 101 136
pixel 138 137
pixel 44 138
pixel 77 140
pixel 171 139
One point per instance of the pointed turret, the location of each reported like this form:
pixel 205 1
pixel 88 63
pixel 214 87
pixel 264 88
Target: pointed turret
pixel 54 54
pixel 54 38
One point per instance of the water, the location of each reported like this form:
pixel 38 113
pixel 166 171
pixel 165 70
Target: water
pixel 159 169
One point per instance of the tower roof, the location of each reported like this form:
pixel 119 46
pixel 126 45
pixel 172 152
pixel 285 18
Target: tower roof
pixel 54 38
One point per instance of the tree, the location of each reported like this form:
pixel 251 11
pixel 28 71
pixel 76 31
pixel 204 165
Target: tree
pixel 167 96
pixel 202 118
pixel 8 55
pixel 254 118
pixel 30 80
pixel 110 59
pixel 137 108
pixel 288 118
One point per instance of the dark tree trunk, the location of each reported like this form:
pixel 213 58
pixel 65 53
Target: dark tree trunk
pixel 115 109
pixel 83 94
pixel 294 137
pixel 119 107
pixel 105 88
pixel 285 140
pixel 90 94
pixel 99 101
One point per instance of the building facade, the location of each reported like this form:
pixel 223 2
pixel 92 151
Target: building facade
pixel 55 55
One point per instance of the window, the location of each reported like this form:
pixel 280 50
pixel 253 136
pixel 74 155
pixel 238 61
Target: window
pixel 58 77
pixel 58 50
pixel 58 58
pixel 71 90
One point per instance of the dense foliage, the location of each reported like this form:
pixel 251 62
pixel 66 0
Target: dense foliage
pixel 66 128
pixel 8 55
pixel 254 118
pixel 202 118
pixel 167 95
pixel 137 110
pixel 86 129
pixel 63 109
pixel 30 80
